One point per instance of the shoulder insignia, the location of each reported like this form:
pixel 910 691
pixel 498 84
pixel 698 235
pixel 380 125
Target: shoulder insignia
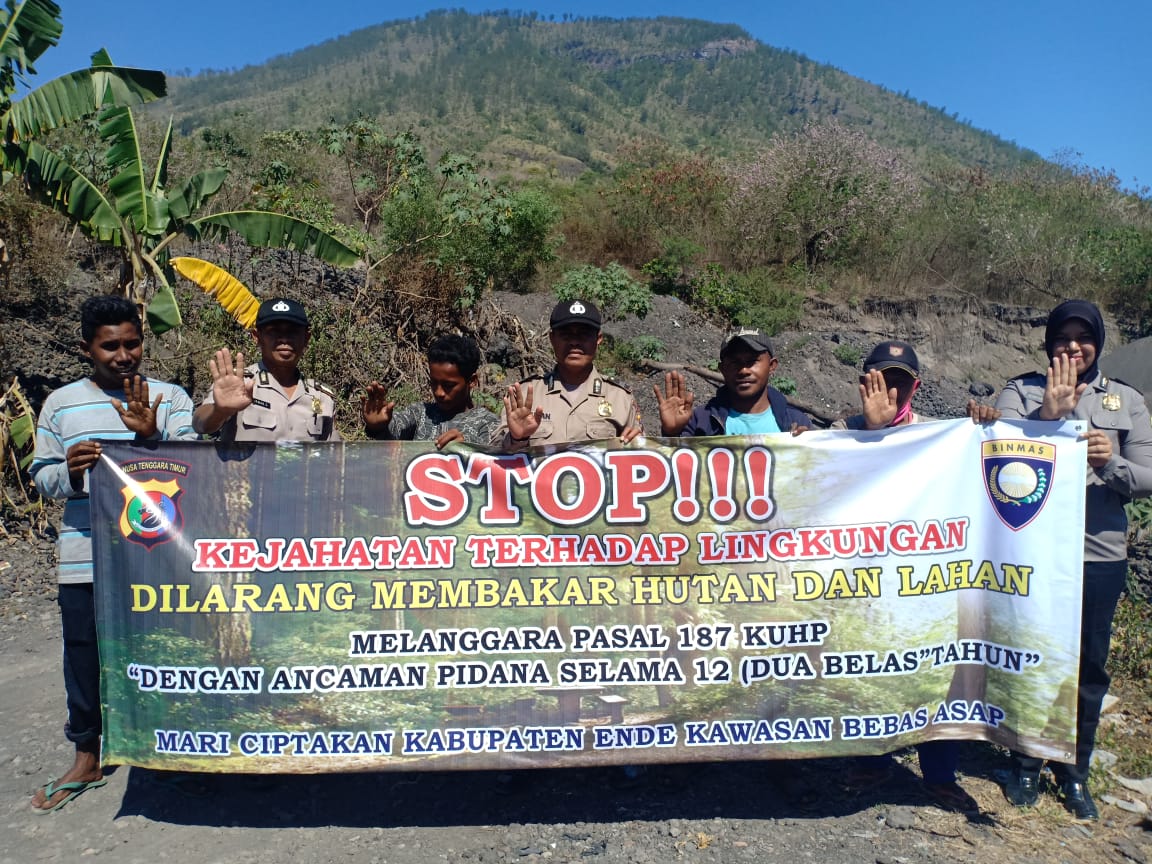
pixel 620 384
pixel 323 388
pixel 1121 383
pixel 1024 375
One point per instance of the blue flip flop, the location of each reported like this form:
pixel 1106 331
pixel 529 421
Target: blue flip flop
pixel 76 787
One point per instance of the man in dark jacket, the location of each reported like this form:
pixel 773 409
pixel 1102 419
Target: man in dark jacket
pixel 746 405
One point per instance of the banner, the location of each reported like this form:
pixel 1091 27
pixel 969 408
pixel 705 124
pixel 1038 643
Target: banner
pixel 383 605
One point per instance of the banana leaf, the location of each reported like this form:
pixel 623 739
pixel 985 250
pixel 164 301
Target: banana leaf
pixel 275 231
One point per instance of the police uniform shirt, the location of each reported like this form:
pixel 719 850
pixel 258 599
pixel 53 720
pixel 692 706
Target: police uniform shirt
pixel 307 415
pixel 599 408
pixel 1120 412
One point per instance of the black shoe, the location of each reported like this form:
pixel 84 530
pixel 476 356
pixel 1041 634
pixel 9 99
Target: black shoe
pixel 1022 788
pixel 949 796
pixel 1078 802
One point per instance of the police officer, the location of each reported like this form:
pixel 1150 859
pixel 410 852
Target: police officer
pixel 573 402
pixel 270 401
pixel 1119 443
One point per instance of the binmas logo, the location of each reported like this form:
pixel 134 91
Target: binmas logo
pixel 1017 474
pixel 151 513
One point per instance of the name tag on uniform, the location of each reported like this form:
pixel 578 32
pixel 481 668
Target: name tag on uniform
pixel 260 403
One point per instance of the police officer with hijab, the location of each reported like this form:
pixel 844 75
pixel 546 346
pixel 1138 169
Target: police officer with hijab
pixel 1119 469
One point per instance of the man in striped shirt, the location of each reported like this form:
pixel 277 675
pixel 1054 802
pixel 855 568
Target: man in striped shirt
pixel 113 402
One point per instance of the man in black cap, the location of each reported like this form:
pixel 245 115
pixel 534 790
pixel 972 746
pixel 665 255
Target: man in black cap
pixel 269 400
pixel 890 380
pixel 746 405
pixel 573 402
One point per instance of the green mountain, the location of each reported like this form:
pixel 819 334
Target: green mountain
pixel 526 93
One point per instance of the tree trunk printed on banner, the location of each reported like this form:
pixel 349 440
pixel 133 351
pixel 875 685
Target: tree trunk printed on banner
pixel 232 632
pixel 970 680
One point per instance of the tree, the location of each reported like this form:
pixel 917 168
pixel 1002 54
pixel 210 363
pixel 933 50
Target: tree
pixel 27 30
pixel 141 214
pixel 475 233
pixel 817 192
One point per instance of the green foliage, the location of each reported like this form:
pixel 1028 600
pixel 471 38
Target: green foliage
pixel 558 98
pixel 1139 516
pixel 17 444
pixel 479 235
pixel 1040 232
pixel 669 202
pixel 1131 654
pixel 610 288
pixel 752 299
pixel 785 385
pixel 816 195
pixel 141 217
pixel 633 351
pixel 504 249
pixel 847 354
pixel 668 274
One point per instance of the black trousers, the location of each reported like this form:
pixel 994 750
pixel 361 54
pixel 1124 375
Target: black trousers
pixel 81 666
pixel 1103 583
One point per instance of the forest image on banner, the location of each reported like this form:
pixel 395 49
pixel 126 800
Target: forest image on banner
pixel 384 605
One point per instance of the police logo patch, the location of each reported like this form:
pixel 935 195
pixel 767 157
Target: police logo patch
pixel 1017 476
pixel 151 513
pixel 577 308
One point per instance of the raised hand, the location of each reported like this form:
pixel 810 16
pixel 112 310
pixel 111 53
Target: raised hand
pixel 375 409
pixel 878 401
pixel 675 404
pixel 981 413
pixel 138 415
pixel 1061 391
pixel 523 421
pixel 231 391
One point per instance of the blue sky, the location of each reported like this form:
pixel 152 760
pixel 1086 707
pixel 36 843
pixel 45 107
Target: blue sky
pixel 1051 76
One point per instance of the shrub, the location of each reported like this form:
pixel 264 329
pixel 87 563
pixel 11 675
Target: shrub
pixel 785 385
pixel 817 194
pixel 633 351
pixel 849 355
pixel 751 299
pixel 610 288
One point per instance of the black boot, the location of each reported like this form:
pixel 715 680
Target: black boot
pixel 1078 802
pixel 1022 788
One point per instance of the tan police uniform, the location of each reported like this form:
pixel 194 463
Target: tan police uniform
pixel 599 408
pixel 307 415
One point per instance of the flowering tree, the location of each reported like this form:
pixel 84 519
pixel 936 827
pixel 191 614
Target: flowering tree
pixel 816 193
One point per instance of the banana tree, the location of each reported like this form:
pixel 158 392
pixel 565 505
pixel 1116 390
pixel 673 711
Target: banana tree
pixel 27 30
pixel 142 214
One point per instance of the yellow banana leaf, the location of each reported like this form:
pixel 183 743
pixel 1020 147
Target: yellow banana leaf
pixel 232 294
